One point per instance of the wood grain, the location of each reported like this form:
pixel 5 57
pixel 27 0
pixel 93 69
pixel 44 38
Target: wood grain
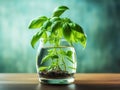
pixel 100 79
pixel 103 79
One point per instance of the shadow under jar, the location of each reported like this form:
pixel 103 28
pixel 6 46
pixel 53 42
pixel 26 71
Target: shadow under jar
pixel 56 64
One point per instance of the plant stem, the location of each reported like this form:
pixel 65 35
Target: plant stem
pixel 57 60
pixel 64 64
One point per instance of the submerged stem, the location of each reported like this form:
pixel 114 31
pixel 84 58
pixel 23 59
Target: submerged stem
pixel 57 60
pixel 64 64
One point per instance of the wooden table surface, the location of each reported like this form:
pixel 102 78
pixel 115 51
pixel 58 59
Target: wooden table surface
pixel 82 82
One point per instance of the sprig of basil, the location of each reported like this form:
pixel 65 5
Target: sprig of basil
pixel 59 11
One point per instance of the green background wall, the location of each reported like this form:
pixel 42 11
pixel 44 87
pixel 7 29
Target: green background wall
pixel 99 18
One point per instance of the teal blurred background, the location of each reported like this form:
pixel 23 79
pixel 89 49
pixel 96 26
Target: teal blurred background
pixel 99 18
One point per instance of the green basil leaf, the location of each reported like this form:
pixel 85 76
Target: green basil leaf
pixel 78 34
pixel 59 10
pixel 66 20
pixel 62 52
pixel 53 19
pixel 47 24
pixel 69 59
pixel 42 68
pixel 72 38
pixel 35 38
pixel 80 37
pixel 76 27
pixel 83 40
pixel 51 51
pixel 72 67
pixel 69 53
pixel 66 31
pixel 55 26
pixel 44 35
pixel 51 38
pixel 55 57
pixel 46 58
pixel 37 23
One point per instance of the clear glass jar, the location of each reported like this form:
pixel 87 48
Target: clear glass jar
pixel 56 65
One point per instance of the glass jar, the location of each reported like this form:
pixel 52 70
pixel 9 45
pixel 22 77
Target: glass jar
pixel 56 64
